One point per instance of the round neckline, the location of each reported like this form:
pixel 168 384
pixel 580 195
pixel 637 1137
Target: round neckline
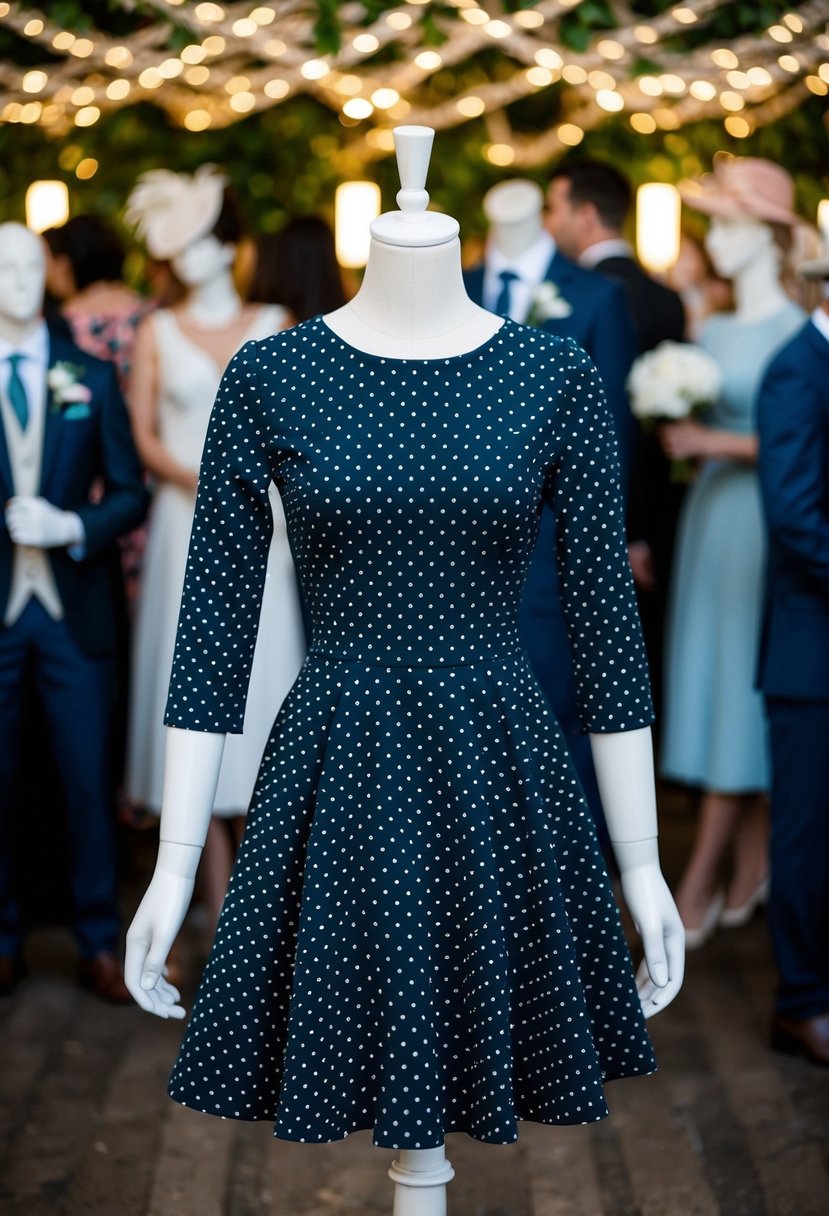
pixel 474 353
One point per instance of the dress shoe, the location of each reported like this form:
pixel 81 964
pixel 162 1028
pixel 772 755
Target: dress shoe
pixel 104 976
pixel 807 1037
pixel 697 937
pixel 12 971
pixel 733 918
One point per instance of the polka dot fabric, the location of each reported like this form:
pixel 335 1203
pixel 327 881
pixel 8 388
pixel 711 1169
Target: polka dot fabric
pixel 419 935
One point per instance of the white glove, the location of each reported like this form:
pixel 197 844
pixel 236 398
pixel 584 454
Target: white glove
pixel 35 522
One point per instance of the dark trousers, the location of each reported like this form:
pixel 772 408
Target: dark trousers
pixel 75 693
pixel 799 899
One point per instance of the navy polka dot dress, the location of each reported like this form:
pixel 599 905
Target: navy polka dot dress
pixel 419 935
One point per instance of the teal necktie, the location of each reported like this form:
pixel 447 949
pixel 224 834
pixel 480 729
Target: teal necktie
pixel 504 302
pixel 16 391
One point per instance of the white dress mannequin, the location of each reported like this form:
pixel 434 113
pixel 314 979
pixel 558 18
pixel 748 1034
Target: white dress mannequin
pixel 412 304
pixel 179 357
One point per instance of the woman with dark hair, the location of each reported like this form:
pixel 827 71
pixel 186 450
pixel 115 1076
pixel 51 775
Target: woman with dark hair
pixel 298 268
pixel 180 355
pixel 85 262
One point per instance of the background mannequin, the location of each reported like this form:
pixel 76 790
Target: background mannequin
pixel 715 734
pixel 63 429
pixel 179 356
pixel 412 305
pixel 594 311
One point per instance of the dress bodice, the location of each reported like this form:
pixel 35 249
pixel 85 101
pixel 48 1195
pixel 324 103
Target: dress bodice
pixel 412 491
pixel 743 350
pixel 189 378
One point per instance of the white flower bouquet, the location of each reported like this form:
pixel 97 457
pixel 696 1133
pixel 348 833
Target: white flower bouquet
pixel 672 382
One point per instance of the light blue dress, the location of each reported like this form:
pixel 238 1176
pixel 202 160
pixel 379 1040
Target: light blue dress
pixel 714 732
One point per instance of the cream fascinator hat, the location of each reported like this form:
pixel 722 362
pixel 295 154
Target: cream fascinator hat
pixel 169 211
pixel 745 186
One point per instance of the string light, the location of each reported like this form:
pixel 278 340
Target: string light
pixel 499 154
pixel 470 107
pixel 359 108
pixel 197 76
pixel 276 89
pixel 263 16
pixel 569 134
pixel 245 27
pixel 34 82
pixel 87 116
pixel 610 101
pixel 366 44
pixel 87 168
pixel 197 120
pixel 315 69
pixel 429 61
pixel 644 124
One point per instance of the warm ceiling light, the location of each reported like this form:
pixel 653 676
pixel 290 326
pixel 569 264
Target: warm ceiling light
pixel 643 124
pixel 384 99
pixel 47 205
pixel 242 103
pixel 570 134
pixel 358 108
pixel 118 57
pixel 356 204
pixel 610 101
pixel 658 212
pixel 170 68
pixel 315 69
pixel 780 33
pixel 736 126
pixel 35 82
pixel 725 58
pixel 574 73
pixel 366 44
pixel 702 90
pixel 471 106
pixel 540 77
pixel 87 116
pixel 197 75
pixel 209 13
pixel 276 89
pixel 197 120
pixel 548 58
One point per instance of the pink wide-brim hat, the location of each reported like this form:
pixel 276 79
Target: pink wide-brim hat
pixel 744 186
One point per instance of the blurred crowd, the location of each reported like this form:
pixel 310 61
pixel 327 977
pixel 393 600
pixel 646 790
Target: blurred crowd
pixel 724 508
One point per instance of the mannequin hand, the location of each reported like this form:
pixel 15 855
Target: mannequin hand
pixel 149 939
pixel 663 938
pixel 685 439
pixel 34 521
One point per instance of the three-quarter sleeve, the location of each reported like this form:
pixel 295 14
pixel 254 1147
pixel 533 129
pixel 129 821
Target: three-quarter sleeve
pixel 584 489
pixel 227 561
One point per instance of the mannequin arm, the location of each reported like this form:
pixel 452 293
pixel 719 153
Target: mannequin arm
pixel 143 407
pixel 624 772
pixel 191 774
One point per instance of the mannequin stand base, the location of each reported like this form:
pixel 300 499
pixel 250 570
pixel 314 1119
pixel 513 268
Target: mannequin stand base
pixel 420 1177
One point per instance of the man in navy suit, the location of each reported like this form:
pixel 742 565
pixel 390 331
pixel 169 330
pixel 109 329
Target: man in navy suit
pixel 525 276
pixel 793 425
pixel 588 202
pixel 63 430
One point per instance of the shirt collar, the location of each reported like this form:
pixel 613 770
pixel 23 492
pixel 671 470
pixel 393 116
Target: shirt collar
pixel 531 265
pixel 820 320
pixel 35 347
pixel 613 247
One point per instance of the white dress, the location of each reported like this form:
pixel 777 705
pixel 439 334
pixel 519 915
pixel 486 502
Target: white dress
pixel 188 381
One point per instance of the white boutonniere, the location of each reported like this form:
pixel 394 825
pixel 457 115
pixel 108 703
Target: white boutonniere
pixel 548 304
pixel 69 396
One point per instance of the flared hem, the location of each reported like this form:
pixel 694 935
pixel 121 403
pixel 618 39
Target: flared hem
pixel 380 1140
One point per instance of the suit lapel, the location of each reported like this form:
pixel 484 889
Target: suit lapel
pixel 53 421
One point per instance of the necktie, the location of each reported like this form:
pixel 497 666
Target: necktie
pixel 504 301
pixel 16 391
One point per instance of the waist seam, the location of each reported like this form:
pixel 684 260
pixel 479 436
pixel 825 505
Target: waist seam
pixel 313 652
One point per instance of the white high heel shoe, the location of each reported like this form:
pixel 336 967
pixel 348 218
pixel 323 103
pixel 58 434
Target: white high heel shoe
pixel 734 918
pixel 696 938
